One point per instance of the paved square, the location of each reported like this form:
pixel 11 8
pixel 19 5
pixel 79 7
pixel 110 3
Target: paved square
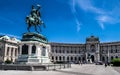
pixel 87 69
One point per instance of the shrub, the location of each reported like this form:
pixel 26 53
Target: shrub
pixel 116 62
pixel 8 61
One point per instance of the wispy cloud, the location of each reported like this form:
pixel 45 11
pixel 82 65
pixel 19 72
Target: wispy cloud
pixel 106 19
pixel 102 17
pixel 73 9
pixel 87 5
pixel 10 35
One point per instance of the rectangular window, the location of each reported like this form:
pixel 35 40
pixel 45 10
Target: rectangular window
pixel 43 51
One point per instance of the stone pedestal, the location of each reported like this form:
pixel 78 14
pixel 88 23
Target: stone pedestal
pixel 34 49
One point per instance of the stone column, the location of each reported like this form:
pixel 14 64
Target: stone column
pixel 14 52
pixel 98 53
pixel 30 50
pixel 9 53
pixel 5 53
pixel 20 47
pixel 108 53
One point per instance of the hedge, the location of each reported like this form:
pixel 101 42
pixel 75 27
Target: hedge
pixel 116 62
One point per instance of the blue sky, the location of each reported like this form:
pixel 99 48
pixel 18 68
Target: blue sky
pixel 69 21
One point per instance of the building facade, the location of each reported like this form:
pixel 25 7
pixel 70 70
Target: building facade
pixel 91 51
pixel 8 48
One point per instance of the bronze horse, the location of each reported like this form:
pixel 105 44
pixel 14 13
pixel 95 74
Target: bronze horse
pixel 34 19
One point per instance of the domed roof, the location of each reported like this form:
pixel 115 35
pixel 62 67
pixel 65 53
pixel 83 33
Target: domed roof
pixel 92 38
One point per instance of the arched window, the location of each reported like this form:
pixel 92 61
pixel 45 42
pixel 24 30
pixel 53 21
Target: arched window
pixel 111 51
pixel 71 58
pixel 79 51
pixel 60 58
pixel 103 58
pixel 71 51
pixel 25 49
pixel 75 58
pixel 56 58
pixel 116 50
pixel 59 51
pixel 43 51
pixel 52 57
pixel 68 58
pixel 79 58
pixel 33 49
pixel 111 57
pixel 116 57
pixel 92 48
pixel 63 51
pixel 67 51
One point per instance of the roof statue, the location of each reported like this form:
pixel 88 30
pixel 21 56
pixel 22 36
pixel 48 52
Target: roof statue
pixel 34 19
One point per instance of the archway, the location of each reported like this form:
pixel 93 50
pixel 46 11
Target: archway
pixel 25 49
pixel 92 58
pixel 111 57
pixel 103 59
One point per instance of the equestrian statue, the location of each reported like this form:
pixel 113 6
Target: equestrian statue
pixel 34 19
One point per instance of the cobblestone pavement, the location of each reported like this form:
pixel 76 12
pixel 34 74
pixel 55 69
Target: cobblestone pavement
pixel 87 69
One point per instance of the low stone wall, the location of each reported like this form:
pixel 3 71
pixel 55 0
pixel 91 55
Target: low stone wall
pixel 33 67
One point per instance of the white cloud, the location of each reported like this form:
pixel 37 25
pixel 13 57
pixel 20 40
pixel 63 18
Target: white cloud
pixel 106 19
pixel 72 5
pixel 87 5
pixel 102 17
pixel 78 25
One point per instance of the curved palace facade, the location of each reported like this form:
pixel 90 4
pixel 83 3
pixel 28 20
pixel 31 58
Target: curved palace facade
pixel 91 51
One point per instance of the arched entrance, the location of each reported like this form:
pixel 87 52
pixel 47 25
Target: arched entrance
pixel 92 58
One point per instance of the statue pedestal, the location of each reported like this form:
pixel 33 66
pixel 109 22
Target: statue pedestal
pixel 34 49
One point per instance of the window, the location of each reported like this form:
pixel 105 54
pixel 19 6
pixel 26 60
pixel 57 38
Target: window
pixel 92 48
pixel 67 58
pixel 33 49
pixel 111 57
pixel 43 51
pixel 75 51
pixel 79 58
pixel 71 58
pixel 25 49
pixel 116 51
pixel 79 51
pixel 60 58
pixel 75 58
pixel 116 57
pixel 59 51
pixel 56 58
pixel 52 57
pixel 111 51
pixel 71 51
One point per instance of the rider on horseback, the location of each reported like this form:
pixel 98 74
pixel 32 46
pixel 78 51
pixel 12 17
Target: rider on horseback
pixel 34 18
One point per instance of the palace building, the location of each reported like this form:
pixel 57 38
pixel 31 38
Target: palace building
pixel 8 48
pixel 91 51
